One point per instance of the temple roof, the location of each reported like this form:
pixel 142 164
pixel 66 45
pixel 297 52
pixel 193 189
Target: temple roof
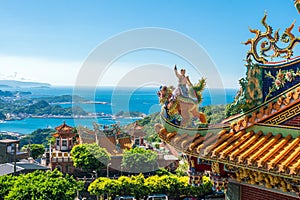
pixel 136 130
pixel 64 127
pixel 109 142
pixel 265 152
pixel 64 131
pixel 9 141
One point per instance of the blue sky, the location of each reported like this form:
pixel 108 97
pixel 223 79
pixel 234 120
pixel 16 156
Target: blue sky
pixel 41 40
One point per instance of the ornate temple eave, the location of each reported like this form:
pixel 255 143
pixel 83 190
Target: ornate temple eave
pixel 268 110
pixel 276 129
pixel 274 155
pixel 64 128
pixel 285 97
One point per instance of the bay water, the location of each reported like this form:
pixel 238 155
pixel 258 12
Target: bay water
pixel 105 100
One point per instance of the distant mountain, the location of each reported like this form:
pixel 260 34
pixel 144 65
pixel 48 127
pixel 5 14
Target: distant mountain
pixel 21 84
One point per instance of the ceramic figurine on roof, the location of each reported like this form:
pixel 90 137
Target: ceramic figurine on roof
pixel 183 82
pixel 179 107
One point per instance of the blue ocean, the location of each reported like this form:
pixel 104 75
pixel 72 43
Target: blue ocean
pixel 107 100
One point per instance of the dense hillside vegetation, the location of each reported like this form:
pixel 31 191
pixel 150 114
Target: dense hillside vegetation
pixel 14 106
pixel 39 136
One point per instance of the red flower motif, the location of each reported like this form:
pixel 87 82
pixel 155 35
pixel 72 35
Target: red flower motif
pixel 278 83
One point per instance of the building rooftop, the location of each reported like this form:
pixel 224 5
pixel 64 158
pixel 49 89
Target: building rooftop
pixel 8 168
pixel 9 141
pixel 64 127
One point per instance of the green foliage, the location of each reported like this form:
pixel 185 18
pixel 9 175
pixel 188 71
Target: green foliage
pixel 197 89
pixel 98 187
pixel 148 123
pixel 44 108
pixel 138 186
pixel 162 171
pixel 129 114
pixel 207 184
pixel 40 186
pixel 77 110
pixel 6 136
pixel 41 106
pixel 39 136
pixel 125 184
pixel 240 107
pixel 6 184
pixel 214 113
pixel 182 168
pixel 134 185
pixel 36 150
pixel 146 120
pixel 157 145
pixel 138 160
pixel 89 157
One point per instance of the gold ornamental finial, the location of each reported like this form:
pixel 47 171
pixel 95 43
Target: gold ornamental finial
pixel 265 42
pixel 297 5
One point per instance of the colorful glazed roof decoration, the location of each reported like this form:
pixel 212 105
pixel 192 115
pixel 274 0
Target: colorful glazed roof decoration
pixel 259 142
pixel 268 42
pixel 267 81
pixel 276 111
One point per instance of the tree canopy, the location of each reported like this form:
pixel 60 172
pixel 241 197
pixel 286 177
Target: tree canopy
pixel 40 186
pixel 6 184
pixel 139 186
pixel 36 150
pixel 39 136
pixel 89 157
pixel 137 160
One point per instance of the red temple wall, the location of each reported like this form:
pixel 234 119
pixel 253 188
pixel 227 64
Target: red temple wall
pixel 253 193
pixel 293 122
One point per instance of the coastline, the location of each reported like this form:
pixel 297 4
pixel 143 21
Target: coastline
pixel 83 102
